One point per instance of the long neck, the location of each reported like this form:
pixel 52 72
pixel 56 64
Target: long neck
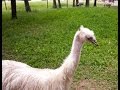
pixel 76 48
pixel 72 60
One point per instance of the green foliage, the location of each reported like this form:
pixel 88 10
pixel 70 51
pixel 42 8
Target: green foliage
pixel 43 38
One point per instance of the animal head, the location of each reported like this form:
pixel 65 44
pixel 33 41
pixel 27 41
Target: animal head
pixel 86 34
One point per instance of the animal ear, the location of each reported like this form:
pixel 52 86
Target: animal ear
pixel 81 27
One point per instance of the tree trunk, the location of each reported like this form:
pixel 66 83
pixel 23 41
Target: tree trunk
pixel 67 3
pixel 27 7
pixel 77 1
pixel 47 3
pixel 87 3
pixel 13 9
pixel 54 4
pixel 59 4
pixel 73 3
pixel 95 3
pixel 5 4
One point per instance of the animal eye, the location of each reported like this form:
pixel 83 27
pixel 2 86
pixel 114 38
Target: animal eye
pixel 90 38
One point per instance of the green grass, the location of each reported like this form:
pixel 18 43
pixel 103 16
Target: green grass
pixel 43 39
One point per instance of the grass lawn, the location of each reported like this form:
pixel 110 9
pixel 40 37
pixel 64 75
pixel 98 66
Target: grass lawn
pixel 43 38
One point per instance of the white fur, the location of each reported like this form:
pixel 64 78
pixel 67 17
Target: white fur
pixel 19 76
pixel 107 3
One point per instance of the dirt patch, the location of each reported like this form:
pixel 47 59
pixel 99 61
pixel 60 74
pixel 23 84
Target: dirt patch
pixel 86 85
pixel 89 84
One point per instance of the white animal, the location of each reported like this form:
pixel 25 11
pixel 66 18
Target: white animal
pixel 19 76
pixel 80 4
pixel 108 4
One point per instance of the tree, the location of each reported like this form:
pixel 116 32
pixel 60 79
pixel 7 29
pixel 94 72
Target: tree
pixel 95 3
pixel 27 7
pixel 77 1
pixel 87 3
pixel 5 4
pixel 73 3
pixel 54 4
pixel 13 9
pixel 47 3
pixel 59 4
pixel 67 3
